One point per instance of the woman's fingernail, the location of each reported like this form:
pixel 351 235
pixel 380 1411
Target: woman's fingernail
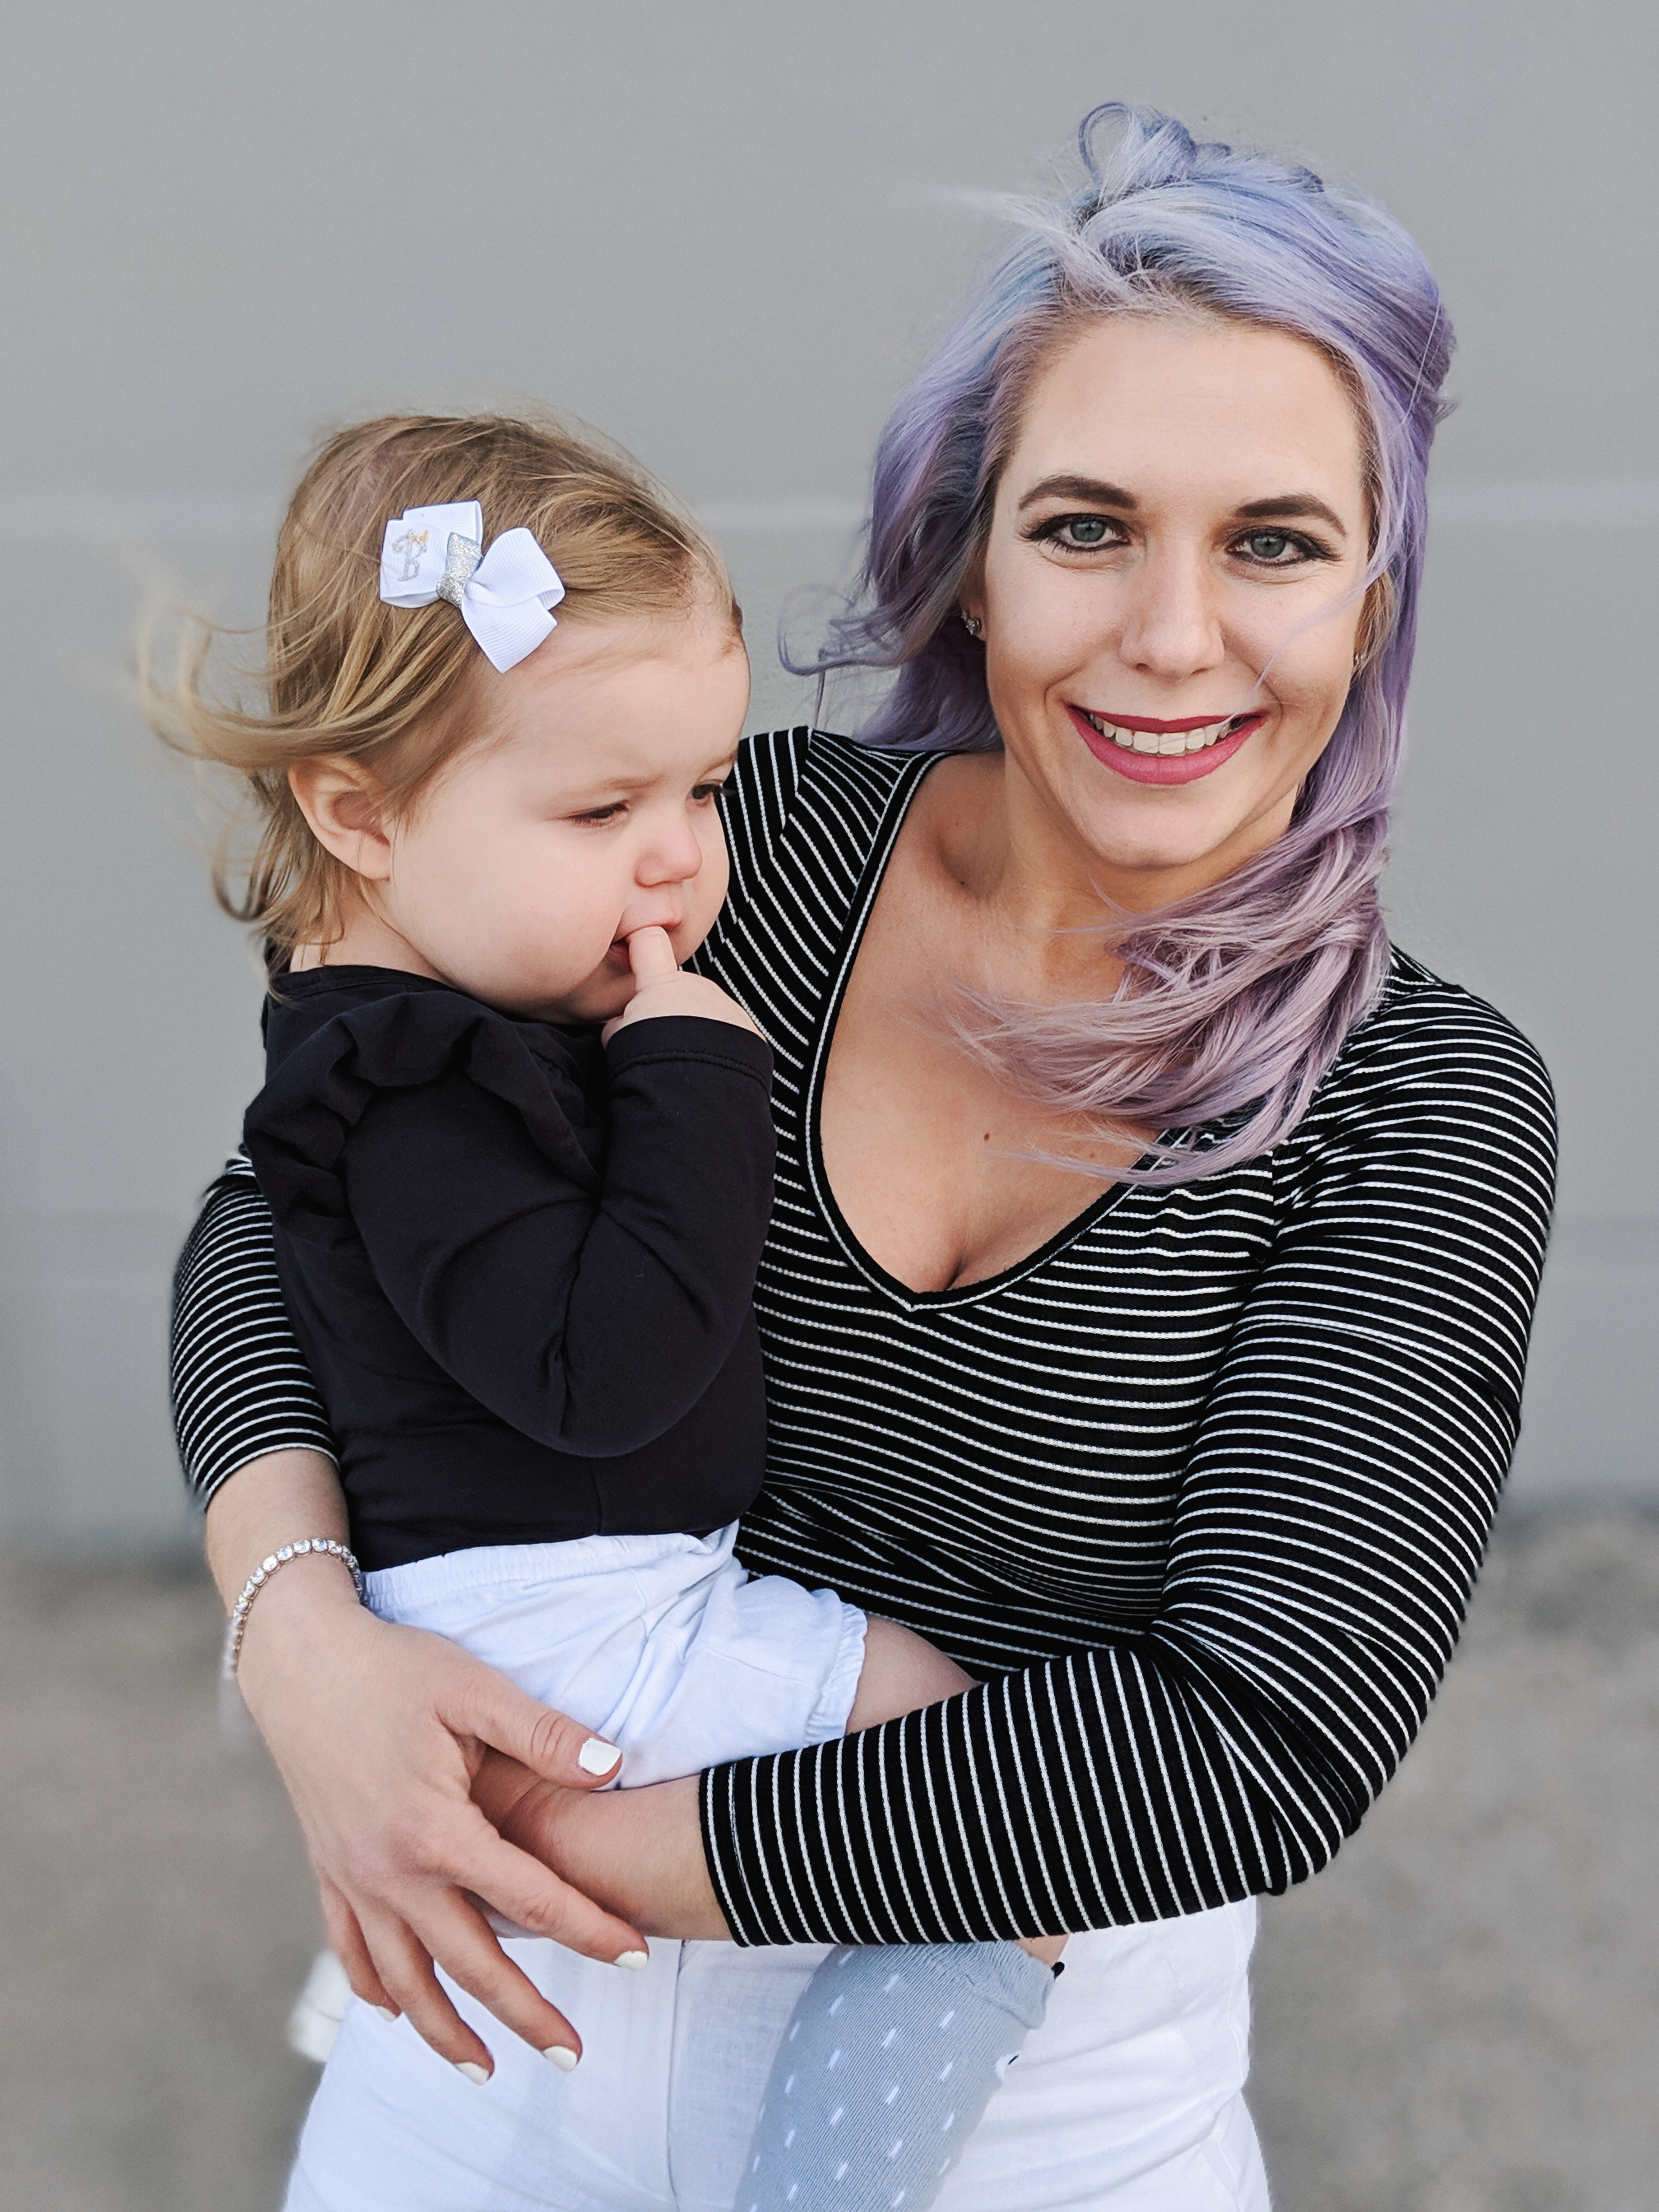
pixel 635 1961
pixel 478 2075
pixel 385 2013
pixel 597 1756
pixel 560 2055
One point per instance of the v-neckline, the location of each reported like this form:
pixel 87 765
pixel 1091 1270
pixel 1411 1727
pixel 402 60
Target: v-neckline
pixel 895 814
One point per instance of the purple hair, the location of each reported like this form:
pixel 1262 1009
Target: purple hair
pixel 1235 1000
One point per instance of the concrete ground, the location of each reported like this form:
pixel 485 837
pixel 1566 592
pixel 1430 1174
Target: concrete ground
pixel 1462 2015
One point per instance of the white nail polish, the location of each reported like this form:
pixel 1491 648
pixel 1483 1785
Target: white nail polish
pixel 562 2057
pixel 635 1961
pixel 386 2013
pixel 597 1756
pixel 476 2074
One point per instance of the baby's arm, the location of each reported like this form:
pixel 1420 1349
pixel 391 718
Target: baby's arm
pixel 591 1319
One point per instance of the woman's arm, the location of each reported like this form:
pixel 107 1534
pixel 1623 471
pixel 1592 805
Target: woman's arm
pixel 241 1385
pixel 377 1730
pixel 1333 1514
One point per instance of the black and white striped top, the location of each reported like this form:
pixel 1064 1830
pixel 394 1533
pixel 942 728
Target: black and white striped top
pixel 1199 1488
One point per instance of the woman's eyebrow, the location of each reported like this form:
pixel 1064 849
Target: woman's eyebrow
pixel 1290 507
pixel 1284 507
pixel 1089 487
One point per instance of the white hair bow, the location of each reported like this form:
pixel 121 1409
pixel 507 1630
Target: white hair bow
pixel 437 553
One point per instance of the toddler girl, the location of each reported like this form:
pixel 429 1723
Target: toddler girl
pixel 520 1168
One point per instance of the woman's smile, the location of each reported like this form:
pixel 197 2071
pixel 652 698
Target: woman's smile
pixel 1148 750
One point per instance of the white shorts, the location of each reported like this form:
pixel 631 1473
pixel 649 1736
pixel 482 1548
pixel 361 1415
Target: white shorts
pixel 663 1645
pixel 1128 2098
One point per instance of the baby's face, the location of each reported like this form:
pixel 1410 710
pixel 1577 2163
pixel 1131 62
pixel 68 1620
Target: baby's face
pixel 587 813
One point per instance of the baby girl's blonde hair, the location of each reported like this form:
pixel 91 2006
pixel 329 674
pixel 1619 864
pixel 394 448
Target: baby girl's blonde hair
pixel 399 688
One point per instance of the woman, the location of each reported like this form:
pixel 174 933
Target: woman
pixel 1147 1299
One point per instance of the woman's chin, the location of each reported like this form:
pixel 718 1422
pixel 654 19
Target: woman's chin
pixel 1145 866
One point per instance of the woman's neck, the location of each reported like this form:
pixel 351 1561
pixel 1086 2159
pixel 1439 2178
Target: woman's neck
pixel 1033 898
pixel 1028 899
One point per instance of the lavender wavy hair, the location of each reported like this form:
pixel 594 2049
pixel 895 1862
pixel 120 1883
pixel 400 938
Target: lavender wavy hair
pixel 1234 1001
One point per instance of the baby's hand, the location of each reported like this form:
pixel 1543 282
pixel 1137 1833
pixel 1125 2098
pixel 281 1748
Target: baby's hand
pixel 662 987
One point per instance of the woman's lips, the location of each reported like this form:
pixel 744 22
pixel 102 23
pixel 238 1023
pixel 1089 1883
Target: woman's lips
pixel 1142 764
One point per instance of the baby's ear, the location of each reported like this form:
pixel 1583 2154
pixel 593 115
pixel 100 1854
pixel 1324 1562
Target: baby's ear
pixel 342 803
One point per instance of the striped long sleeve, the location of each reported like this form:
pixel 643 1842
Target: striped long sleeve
pixel 1327 1528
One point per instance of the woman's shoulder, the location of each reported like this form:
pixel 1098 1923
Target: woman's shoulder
pixel 779 773
pixel 1432 1052
pixel 1421 1011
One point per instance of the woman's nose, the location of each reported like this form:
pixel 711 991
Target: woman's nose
pixel 1172 623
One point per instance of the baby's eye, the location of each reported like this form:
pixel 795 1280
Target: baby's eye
pixel 597 816
pixel 704 792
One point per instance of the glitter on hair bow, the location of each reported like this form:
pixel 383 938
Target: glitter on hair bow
pixel 504 594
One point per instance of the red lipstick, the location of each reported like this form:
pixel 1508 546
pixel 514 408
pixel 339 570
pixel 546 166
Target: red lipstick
pixel 1166 767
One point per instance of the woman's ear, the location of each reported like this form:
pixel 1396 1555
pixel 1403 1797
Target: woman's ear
pixel 340 801
pixel 970 595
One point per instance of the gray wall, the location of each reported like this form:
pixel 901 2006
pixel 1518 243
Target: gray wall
pixel 726 232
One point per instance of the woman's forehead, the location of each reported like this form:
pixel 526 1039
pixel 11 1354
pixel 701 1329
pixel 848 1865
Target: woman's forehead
pixel 1149 403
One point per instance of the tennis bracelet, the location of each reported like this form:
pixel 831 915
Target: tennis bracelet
pixel 262 1574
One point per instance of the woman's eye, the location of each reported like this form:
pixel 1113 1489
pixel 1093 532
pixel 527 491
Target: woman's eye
pixel 1078 533
pixel 1083 530
pixel 1275 549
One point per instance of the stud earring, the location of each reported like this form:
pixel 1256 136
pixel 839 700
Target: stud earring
pixel 971 624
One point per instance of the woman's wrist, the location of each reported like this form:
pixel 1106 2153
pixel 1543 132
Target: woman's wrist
pixel 294 1609
pixel 271 1502
pixel 260 1582
pixel 638 1853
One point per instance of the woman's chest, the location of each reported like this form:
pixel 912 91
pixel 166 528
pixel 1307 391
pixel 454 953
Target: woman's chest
pixel 942 1175
pixel 1009 1459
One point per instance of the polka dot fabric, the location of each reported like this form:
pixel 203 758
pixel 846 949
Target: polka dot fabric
pixel 884 2073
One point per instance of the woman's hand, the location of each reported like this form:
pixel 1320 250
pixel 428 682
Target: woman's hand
pixel 378 1732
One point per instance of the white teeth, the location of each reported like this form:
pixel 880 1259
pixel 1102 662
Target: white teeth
pixel 1168 744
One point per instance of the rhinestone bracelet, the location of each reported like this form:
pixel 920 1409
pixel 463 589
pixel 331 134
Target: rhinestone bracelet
pixel 262 1574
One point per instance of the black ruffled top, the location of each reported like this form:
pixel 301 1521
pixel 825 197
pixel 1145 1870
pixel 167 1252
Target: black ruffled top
pixel 520 1261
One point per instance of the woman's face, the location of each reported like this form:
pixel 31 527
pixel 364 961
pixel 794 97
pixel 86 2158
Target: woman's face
pixel 1170 593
